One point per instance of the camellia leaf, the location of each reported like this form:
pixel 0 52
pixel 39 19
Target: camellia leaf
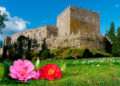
pixel 2 71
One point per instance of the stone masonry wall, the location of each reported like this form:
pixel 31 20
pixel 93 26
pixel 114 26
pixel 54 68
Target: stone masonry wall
pixel 75 41
pixel 84 21
pixel 63 23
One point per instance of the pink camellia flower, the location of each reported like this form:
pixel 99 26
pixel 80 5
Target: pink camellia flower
pixel 36 75
pixel 22 70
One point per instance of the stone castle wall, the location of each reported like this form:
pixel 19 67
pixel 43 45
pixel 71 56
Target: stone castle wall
pixel 76 28
pixel 38 33
pixel 75 20
pixel 76 41
pixel 84 21
pixel 63 23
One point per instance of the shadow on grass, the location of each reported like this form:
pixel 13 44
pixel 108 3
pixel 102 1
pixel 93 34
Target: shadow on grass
pixel 11 82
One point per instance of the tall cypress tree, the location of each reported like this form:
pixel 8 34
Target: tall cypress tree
pixel 112 36
pixel 116 44
pixel 111 32
pixel 118 34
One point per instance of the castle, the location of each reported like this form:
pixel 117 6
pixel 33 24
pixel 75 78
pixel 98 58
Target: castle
pixel 75 28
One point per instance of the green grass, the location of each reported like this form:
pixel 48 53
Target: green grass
pixel 82 72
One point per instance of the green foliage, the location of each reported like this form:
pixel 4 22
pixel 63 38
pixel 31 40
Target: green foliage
pixel 116 44
pixel 114 37
pixel 1 44
pixel 24 47
pixel 61 53
pixel 3 18
pixel 56 52
pixel 111 32
pixel 87 53
pixel 2 71
pixel 21 45
pixel 6 64
pixel 44 54
pixel 100 53
pixel 76 53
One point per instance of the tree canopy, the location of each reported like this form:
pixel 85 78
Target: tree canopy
pixel 3 18
pixel 115 38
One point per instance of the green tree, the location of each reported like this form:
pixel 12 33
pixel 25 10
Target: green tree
pixel 111 32
pixel 2 19
pixel 25 47
pixel 112 36
pixel 116 44
pixel 118 33
pixel 32 49
pixel 21 42
pixel 44 52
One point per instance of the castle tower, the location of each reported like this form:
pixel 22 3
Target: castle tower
pixel 74 20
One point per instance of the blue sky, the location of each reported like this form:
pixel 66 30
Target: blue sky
pixel 42 12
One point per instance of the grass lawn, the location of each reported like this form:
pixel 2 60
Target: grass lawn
pixel 82 72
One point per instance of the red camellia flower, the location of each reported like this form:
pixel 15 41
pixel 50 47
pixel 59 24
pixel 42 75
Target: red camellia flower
pixel 50 72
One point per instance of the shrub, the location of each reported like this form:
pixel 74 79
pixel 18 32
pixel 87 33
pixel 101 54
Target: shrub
pixel 87 53
pixel 2 71
pixel 75 53
pixel 57 53
pixel 100 53
pixel 67 53
pixel 44 54
pixel 69 57
pixel 5 66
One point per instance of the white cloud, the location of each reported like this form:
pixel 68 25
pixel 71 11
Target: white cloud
pixel 13 24
pixel 3 11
